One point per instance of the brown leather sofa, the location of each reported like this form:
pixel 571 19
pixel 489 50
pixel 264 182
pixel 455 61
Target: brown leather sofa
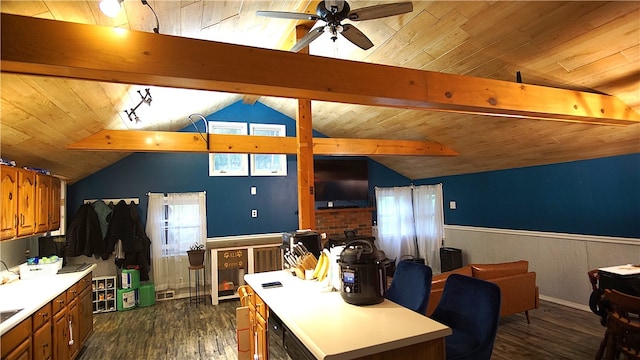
pixel 518 288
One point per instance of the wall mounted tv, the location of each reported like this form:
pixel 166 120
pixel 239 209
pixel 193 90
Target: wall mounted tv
pixel 341 179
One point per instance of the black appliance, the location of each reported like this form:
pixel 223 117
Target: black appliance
pixel 450 259
pixel 310 240
pixel 53 245
pixel 362 270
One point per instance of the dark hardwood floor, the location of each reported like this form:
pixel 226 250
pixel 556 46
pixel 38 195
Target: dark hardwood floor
pixel 175 329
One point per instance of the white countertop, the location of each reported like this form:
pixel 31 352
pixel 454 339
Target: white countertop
pixel 335 330
pixel 32 294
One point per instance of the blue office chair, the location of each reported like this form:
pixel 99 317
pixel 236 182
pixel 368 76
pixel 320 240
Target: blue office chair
pixel 411 286
pixel 471 308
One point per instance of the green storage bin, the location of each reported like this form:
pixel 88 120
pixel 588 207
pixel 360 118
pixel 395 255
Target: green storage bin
pixel 125 299
pixel 130 279
pixel 146 295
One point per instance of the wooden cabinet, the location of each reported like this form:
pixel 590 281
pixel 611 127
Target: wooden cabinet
pixel 57 331
pixel 60 335
pixel 30 202
pixel 258 322
pixel 8 202
pixel 42 344
pixel 54 203
pixel 26 202
pixel 16 343
pixel 86 314
pixel 73 318
pixel 22 352
pixel 43 207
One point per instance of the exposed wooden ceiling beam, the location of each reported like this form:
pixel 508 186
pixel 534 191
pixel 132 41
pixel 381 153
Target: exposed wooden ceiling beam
pixel 289 39
pixel 164 141
pixel 45 47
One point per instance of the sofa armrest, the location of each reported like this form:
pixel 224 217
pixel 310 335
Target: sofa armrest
pixel 438 281
pixel 519 293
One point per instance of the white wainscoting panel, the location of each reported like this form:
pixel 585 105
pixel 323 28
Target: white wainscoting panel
pixel 561 261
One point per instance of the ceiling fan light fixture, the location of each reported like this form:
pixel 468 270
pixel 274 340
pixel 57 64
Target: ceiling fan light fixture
pixel 110 8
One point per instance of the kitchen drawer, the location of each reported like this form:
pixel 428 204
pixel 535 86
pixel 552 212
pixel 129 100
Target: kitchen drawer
pixel 14 337
pixel 59 302
pixel 72 292
pixel 85 282
pixel 42 316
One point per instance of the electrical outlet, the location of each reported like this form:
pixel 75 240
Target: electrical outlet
pixel 180 280
pixel 254 213
pixel 254 190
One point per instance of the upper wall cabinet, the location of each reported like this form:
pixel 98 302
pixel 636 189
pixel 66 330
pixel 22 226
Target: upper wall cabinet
pixel 54 204
pixel 9 202
pixel 30 203
pixel 43 195
pixel 26 202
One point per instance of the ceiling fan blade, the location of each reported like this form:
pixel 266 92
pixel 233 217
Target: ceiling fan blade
pixel 380 11
pixel 307 39
pixel 287 15
pixel 356 36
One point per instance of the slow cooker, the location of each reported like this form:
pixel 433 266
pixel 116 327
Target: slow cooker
pixel 362 273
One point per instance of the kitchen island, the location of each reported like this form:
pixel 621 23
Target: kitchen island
pixel 332 329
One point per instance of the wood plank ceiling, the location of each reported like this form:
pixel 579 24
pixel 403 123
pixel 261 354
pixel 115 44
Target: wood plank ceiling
pixel 586 46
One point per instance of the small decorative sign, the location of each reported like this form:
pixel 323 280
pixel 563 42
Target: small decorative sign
pixel 232 259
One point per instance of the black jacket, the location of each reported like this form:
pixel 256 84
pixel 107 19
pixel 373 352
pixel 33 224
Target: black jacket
pixel 84 235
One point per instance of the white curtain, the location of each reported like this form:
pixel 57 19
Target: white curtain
pixel 396 236
pixel 174 223
pixel 429 222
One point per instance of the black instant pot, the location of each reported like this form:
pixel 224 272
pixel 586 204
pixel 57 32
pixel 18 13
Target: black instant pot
pixel 363 273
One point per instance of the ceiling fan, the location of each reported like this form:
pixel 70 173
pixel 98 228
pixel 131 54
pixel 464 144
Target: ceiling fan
pixel 333 12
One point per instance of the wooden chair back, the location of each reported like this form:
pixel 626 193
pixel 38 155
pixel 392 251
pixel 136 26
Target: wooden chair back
pixel 623 326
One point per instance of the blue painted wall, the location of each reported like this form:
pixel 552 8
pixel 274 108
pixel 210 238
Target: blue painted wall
pixel 229 202
pixel 592 197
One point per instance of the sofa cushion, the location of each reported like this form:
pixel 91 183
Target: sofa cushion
pixel 491 271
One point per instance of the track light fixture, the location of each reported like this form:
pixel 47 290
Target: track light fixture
pixel 146 99
pixel 157 28
pixel 111 8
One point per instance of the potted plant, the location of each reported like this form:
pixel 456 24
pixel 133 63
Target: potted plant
pixel 196 254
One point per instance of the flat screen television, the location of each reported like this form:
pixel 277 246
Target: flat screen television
pixel 341 179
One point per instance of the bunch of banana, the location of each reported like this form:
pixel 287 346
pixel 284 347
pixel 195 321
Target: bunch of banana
pixel 322 268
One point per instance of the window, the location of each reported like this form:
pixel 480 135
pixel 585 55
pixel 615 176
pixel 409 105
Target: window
pixel 182 227
pixel 268 164
pixel 228 164
pixel 174 223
